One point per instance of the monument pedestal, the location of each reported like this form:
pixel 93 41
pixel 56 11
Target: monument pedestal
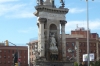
pixel 54 63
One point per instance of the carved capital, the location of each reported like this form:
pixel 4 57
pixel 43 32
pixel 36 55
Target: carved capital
pixel 63 22
pixel 42 20
pixel 38 24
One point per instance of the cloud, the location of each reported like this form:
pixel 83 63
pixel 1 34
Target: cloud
pixel 4 1
pixel 16 10
pixel 76 10
pixel 93 25
pixel 28 30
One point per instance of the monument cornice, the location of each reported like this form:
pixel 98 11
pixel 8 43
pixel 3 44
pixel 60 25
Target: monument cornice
pixel 50 9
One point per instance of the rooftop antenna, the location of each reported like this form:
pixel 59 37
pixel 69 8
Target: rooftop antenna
pixel 76 25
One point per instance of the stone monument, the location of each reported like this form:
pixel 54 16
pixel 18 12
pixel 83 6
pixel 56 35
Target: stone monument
pixel 51 47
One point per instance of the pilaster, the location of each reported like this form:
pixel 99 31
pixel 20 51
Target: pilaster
pixel 63 39
pixel 41 43
pixel 97 51
pixel 77 52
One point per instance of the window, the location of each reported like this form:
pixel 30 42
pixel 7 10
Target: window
pixel 80 44
pixel 24 56
pixel 30 53
pixel 91 44
pixel 94 44
pixel 84 44
pixel 8 51
pixel 12 61
pixel 4 62
pixel 8 56
pixel 73 44
pixel 32 59
pixel 94 51
pixel 91 51
pixel 0 56
pixel 30 47
pixel 13 51
pixel 4 56
pixel 4 50
pixel 80 50
pixel 0 50
pixel 8 61
pixel 0 62
pixel 24 61
pixel 67 44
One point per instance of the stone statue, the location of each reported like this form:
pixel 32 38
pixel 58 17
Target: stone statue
pixel 63 4
pixel 38 2
pixel 61 1
pixel 53 41
pixel 53 47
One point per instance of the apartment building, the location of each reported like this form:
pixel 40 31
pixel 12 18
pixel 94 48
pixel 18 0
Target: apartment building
pixel 7 52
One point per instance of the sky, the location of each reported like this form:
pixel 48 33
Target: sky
pixel 19 25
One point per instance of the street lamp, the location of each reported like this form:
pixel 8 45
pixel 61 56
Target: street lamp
pixel 88 48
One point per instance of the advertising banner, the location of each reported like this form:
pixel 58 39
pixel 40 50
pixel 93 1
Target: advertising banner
pixel 91 56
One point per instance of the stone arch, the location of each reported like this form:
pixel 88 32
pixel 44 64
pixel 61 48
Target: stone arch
pixel 53 27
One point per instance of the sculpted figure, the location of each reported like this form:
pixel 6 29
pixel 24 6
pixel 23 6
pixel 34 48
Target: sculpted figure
pixel 53 46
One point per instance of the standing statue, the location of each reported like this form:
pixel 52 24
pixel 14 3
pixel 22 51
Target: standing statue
pixel 63 4
pixel 40 2
pixel 53 41
pixel 53 47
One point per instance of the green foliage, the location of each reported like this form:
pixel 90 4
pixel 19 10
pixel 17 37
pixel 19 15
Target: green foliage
pixel 97 63
pixel 75 64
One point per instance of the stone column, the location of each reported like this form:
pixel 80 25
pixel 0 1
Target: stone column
pixel 41 43
pixel 97 51
pixel 63 39
pixel 77 51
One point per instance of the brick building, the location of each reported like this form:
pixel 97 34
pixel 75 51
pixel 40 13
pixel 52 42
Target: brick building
pixel 78 38
pixel 32 46
pixel 7 52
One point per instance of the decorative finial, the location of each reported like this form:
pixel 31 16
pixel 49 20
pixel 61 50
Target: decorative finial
pixel 52 1
pixel 40 2
pixel 63 4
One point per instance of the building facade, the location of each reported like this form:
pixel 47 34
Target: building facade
pixel 33 45
pixel 78 39
pixel 7 52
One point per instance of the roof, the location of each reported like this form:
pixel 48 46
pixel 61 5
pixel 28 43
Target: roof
pixel 14 47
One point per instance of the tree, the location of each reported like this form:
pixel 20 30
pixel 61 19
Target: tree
pixel 75 64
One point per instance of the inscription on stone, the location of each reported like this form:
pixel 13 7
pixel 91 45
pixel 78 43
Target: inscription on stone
pixel 52 16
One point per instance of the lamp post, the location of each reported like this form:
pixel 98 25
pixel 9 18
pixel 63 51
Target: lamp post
pixel 88 47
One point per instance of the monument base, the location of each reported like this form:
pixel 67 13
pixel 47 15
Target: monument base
pixel 54 63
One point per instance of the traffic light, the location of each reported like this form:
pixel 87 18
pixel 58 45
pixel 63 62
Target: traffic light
pixel 16 57
pixel 16 64
pixel 7 43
